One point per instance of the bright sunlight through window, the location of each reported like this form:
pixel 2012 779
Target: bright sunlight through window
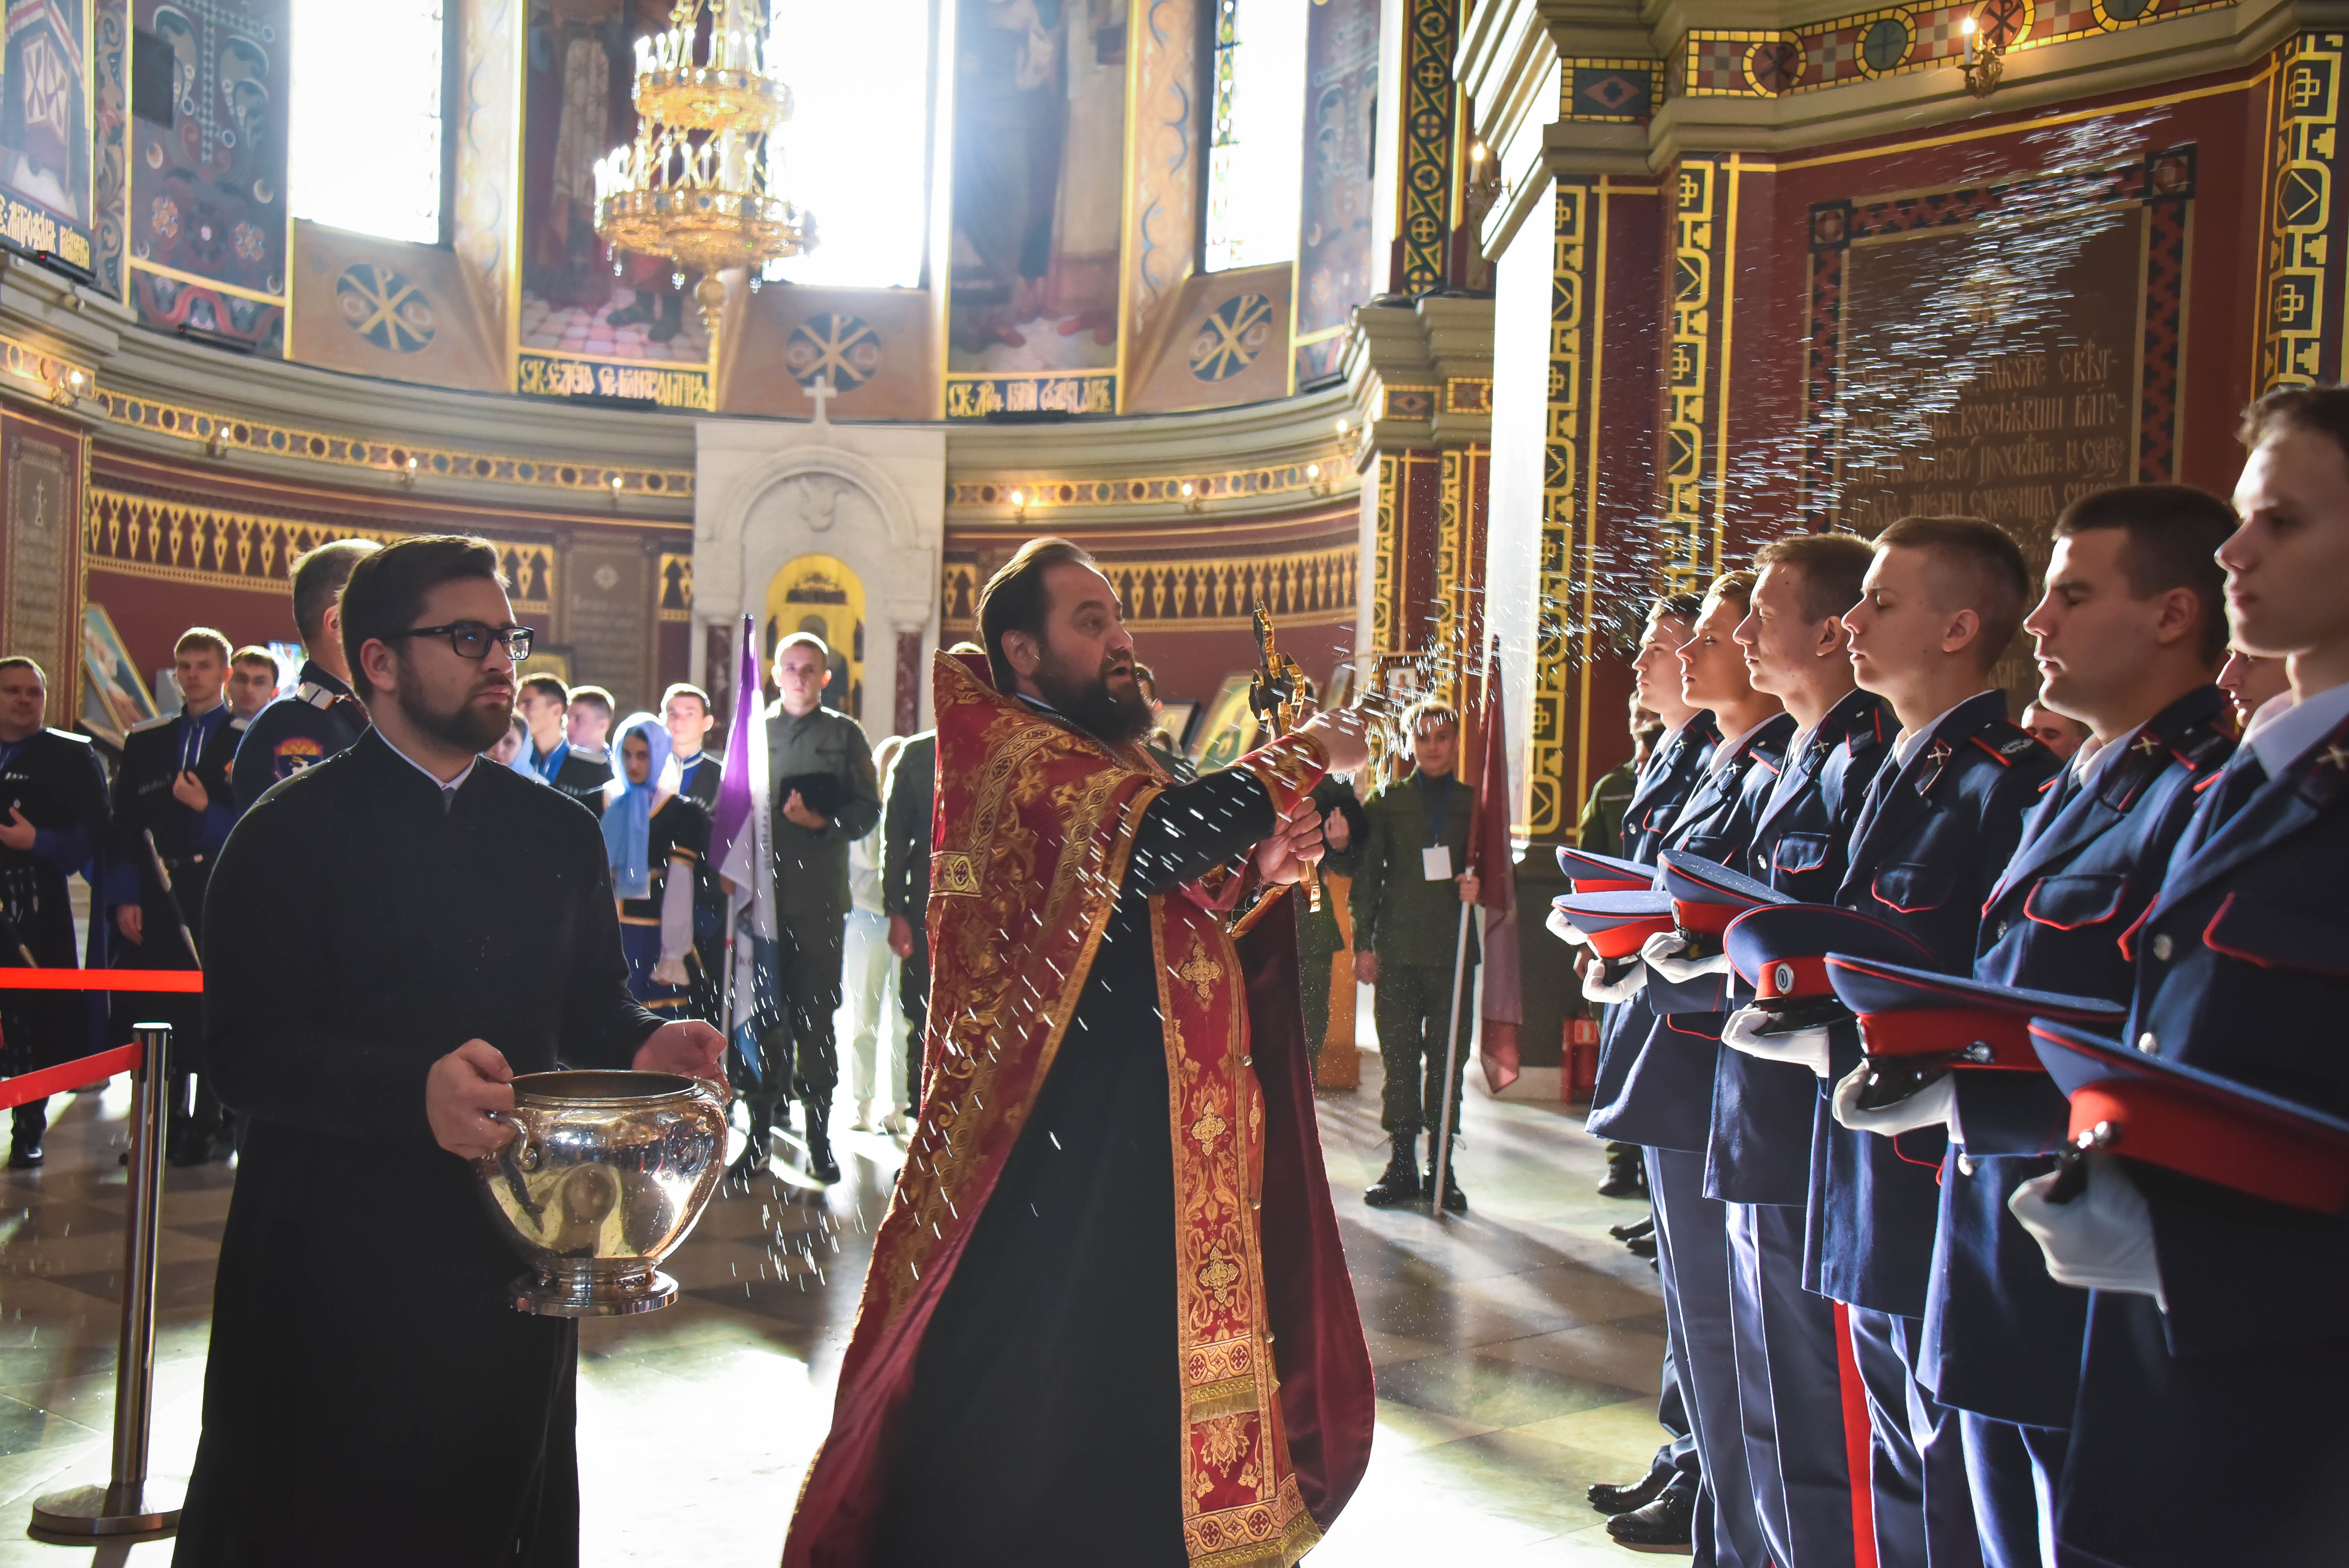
pixel 1257 157
pixel 855 150
pixel 364 138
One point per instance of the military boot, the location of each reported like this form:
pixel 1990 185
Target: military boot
pixel 1455 1201
pixel 820 1163
pixel 1399 1187
pixel 752 1160
pixel 1627 1171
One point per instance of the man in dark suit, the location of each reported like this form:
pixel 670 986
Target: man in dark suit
pixel 2216 1334
pixel 907 805
pixel 1943 599
pixel 685 714
pixel 172 811
pixel 53 798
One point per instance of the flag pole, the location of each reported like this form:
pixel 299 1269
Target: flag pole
pixel 1460 947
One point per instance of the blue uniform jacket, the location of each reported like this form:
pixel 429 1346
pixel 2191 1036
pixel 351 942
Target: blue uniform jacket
pixel 1929 843
pixel 1760 1148
pixel 2002 1339
pixel 316 719
pixel 1664 784
pixel 2242 970
pixel 1666 1100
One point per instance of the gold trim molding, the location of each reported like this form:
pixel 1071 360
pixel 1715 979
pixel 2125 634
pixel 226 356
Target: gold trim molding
pixel 1044 494
pixel 1199 595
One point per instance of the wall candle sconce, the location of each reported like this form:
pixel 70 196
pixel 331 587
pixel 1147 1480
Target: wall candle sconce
pixel 408 474
pixel 1020 506
pixel 1984 60
pixel 1191 500
pixel 68 392
pixel 1349 439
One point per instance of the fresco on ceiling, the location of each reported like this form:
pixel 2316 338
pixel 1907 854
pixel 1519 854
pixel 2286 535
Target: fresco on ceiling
pixel 591 324
pixel 1038 199
pixel 207 225
pixel 45 195
pixel 1333 244
pixel 390 307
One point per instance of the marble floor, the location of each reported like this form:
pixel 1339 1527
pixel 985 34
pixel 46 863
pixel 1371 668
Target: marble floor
pixel 1517 1349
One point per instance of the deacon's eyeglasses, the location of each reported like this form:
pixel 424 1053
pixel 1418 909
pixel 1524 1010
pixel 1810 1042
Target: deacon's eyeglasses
pixel 471 639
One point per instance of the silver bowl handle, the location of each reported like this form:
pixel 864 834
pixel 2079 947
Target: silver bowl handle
pixel 525 1154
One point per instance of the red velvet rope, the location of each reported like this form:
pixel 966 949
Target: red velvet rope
pixel 29 1087
pixel 188 980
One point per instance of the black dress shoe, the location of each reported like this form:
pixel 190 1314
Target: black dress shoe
pixel 1627 1171
pixel 1634 1230
pixel 1641 1246
pixel 1665 1525
pixel 1613 1500
pixel 25 1157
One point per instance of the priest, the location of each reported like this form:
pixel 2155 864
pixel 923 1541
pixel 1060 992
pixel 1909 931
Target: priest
pixel 397 932
pixel 1107 1318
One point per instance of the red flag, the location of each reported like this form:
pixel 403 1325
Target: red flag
pixel 1489 855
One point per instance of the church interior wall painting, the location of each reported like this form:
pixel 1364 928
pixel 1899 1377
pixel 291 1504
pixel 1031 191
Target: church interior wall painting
pixel 823 594
pixel 1038 204
pixel 207 230
pixel 109 94
pixel 1333 244
pixel 874 345
pixel 390 307
pixel 42 465
pixel 1173 93
pixel 47 186
pixel 587 323
pixel 1225 341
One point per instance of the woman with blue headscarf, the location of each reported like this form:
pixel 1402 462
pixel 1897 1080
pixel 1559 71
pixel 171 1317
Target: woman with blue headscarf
pixel 655 838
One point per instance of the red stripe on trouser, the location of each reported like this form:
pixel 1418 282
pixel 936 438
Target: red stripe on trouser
pixel 1856 1442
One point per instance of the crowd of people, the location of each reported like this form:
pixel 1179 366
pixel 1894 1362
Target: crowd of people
pixel 1977 1072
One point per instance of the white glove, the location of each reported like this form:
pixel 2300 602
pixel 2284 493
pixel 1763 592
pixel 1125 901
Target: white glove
pixel 1743 1033
pixel 1658 954
pixel 2102 1239
pixel 1935 1105
pixel 1597 988
pixel 1564 930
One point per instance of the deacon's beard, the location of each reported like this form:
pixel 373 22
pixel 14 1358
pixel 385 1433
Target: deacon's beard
pixel 1095 708
pixel 471 727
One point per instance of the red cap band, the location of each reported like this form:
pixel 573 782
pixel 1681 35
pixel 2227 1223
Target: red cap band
pixel 1705 919
pixel 1609 884
pixel 1929 1031
pixel 1625 941
pixel 1793 977
pixel 2164 1125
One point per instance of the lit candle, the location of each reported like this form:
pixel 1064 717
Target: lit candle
pixel 1967 29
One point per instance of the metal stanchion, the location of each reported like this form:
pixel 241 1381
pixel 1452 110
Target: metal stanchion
pixel 133 1502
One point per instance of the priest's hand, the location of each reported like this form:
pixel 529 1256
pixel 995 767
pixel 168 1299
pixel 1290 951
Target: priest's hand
pixel 688 1048
pixel 1341 735
pixel 1294 844
pixel 795 810
pixel 461 1092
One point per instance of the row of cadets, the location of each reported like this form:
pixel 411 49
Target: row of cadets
pixel 553 753
pixel 173 809
pixel 321 715
pixel 657 839
pixel 1791 1345
pixel 1670 1505
pixel 2211 1226
pixel 1656 1082
pixel 54 796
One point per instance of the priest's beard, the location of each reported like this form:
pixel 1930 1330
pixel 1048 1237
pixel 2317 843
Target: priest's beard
pixel 1096 709
pixel 469 726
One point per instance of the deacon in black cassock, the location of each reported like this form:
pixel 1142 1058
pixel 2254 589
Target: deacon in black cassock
pixel 397 932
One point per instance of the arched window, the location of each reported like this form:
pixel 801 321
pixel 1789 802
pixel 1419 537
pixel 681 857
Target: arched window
pixel 1255 160
pixel 363 143
pixel 856 151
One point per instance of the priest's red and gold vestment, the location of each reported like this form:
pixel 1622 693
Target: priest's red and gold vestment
pixel 1035 838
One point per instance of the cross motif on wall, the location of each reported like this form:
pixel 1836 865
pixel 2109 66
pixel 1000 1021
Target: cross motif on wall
pixel 821 392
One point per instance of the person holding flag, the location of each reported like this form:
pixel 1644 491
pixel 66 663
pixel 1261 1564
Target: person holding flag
pixel 741 847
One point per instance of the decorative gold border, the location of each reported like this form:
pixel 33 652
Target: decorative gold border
pixel 1690 414
pixel 224 431
pixel 1543 807
pixel 136 535
pixel 1383 628
pixel 1468 395
pixel 1451 578
pixel 1045 492
pixel 1195 595
pixel 2303 250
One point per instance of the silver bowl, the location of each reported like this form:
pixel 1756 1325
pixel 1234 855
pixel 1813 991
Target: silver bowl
pixel 606 1174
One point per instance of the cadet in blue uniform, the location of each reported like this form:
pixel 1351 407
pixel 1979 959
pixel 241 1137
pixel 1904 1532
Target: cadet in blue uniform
pixel 1758 1152
pixel 320 717
pixel 2129 634
pixel 1663 1100
pixel 1665 1508
pixel 53 800
pixel 2217 1337
pixel 174 783
pixel 545 705
pixel 1943 599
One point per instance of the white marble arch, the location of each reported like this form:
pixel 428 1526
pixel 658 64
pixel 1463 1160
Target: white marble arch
pixel 872 496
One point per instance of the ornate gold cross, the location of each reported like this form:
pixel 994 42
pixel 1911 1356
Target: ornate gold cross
pixel 1201 971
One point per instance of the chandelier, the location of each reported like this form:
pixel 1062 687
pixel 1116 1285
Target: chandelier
pixel 694 186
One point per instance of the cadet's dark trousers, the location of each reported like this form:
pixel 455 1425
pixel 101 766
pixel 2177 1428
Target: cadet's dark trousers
pixel 1692 1259
pixel 2014 1471
pixel 1924 1506
pixel 914 997
pixel 1314 955
pixel 802 1059
pixel 1412 1005
pixel 1790 1390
